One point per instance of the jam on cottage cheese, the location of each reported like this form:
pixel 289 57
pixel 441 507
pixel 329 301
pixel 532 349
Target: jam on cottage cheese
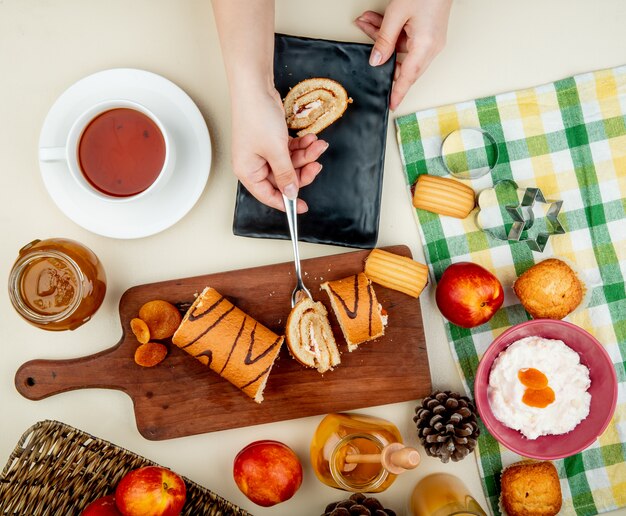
pixel 539 387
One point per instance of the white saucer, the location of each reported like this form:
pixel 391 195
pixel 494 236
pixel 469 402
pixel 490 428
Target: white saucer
pixel 184 122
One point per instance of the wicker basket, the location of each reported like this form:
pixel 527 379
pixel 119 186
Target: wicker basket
pixel 56 470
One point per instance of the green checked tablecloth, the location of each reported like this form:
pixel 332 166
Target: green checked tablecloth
pixel 569 139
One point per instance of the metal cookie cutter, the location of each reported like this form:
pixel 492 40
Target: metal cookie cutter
pixel 507 212
pixel 469 153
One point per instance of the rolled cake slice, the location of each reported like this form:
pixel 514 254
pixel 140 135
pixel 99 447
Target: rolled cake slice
pixel 310 337
pixel 314 104
pixel 230 342
pixel 358 312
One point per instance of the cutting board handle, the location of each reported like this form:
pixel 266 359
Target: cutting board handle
pixel 39 379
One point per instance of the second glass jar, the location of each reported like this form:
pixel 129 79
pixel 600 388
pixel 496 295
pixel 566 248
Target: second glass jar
pixel 339 435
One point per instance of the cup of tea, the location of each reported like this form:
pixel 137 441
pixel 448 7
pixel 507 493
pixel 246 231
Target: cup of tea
pixel 117 151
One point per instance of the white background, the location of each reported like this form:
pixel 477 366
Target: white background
pixel 45 46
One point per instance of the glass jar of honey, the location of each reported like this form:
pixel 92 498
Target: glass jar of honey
pixel 442 494
pixel 359 453
pixel 56 284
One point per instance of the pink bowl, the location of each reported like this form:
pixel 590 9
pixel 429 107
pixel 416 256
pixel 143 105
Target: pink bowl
pixel 603 391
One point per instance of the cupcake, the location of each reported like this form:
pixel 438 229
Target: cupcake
pixel 530 488
pixel 549 290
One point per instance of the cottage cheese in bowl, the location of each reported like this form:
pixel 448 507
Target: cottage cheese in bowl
pixel 539 387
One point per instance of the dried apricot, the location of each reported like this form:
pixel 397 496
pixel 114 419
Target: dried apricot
pixel 140 329
pixel 162 318
pixel 150 354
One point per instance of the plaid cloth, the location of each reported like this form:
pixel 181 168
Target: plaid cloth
pixel 569 139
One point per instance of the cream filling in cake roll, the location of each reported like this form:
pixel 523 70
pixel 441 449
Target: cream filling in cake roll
pixel 314 104
pixel 310 337
pixel 230 342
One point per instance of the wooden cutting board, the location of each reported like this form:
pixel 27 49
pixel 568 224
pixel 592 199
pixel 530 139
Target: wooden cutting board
pixel 180 396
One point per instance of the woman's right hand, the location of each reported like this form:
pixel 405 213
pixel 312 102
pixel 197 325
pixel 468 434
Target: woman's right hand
pixel 265 159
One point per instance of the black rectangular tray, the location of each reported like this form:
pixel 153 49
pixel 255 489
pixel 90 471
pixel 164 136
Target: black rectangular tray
pixel 344 200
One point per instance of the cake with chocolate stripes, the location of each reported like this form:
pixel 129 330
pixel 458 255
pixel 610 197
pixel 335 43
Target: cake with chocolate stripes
pixel 360 315
pixel 230 342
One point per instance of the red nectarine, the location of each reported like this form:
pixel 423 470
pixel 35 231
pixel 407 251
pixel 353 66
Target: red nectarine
pixel 104 506
pixel 150 491
pixel 468 295
pixel 267 472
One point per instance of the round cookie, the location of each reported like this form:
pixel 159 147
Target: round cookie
pixel 549 289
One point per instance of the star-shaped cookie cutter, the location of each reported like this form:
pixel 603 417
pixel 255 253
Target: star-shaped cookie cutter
pixel 523 218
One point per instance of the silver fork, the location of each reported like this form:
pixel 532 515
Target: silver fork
pixel 292 219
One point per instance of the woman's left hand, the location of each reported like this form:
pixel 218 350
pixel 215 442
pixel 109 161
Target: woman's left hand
pixel 415 27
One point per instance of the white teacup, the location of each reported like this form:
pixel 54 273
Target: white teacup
pixel 69 152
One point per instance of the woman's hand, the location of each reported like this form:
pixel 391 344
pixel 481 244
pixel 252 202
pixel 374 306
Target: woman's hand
pixel 265 159
pixel 415 27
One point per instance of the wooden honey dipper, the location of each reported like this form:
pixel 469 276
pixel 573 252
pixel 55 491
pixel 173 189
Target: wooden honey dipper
pixel 395 458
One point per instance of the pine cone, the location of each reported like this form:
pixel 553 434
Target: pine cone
pixel 357 505
pixel 446 425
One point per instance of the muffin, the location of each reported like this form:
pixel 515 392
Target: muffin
pixel 530 489
pixel 549 289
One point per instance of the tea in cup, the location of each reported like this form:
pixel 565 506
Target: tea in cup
pixel 117 150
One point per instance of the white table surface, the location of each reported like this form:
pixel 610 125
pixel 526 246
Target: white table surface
pixel 45 46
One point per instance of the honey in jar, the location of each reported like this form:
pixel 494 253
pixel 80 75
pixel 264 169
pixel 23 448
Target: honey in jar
pixel 56 284
pixel 359 453
pixel 442 494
